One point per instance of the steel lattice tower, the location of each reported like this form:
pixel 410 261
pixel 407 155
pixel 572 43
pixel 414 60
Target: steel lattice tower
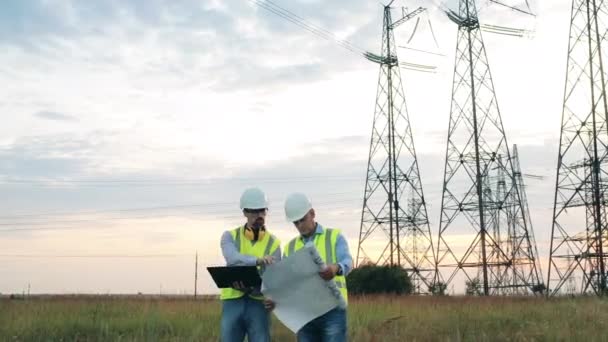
pixel 522 243
pixel 483 234
pixel 579 235
pixel 394 222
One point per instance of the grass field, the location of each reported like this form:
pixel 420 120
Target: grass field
pixel 370 319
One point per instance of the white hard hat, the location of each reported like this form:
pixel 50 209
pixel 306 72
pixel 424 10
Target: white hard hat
pixel 297 205
pixel 253 198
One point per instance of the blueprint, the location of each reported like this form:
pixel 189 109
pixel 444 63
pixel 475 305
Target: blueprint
pixel 300 294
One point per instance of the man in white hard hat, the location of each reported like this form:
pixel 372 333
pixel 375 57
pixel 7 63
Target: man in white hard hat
pixel 245 312
pixel 333 248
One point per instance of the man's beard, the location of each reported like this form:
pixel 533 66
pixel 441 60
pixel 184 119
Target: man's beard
pixel 259 223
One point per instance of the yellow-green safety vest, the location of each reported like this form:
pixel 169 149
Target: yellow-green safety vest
pixel 326 246
pixel 267 246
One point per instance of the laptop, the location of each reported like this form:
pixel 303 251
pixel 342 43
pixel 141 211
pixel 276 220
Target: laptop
pixel 225 276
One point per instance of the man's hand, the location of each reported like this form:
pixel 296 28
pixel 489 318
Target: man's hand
pixel 267 260
pixel 238 285
pixel 269 304
pixel 329 272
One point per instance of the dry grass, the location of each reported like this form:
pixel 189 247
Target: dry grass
pixel 381 318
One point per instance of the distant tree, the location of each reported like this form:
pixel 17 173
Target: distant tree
pixel 16 297
pixel 473 287
pixel 438 289
pixel 372 279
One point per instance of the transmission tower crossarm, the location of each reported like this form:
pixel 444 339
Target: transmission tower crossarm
pixel 407 17
pixel 527 175
pixel 505 31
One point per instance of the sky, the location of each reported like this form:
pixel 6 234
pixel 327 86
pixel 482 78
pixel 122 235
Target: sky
pixel 130 128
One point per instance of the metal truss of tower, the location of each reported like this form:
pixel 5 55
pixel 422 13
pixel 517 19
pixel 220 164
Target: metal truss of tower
pixel 394 222
pixel 579 234
pixel 522 243
pixel 483 235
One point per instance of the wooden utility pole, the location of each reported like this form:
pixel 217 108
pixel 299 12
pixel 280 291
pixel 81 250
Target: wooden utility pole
pixel 195 273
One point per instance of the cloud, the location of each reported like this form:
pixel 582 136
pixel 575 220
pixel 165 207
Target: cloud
pixel 45 156
pixel 228 48
pixel 55 116
pixel 193 101
pixel 102 153
pixel 29 19
pixel 248 76
pixel 331 171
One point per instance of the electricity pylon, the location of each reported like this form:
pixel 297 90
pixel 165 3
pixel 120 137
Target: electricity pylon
pixel 394 222
pixel 481 210
pixel 579 234
pixel 522 243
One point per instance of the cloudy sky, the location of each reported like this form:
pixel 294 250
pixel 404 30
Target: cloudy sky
pixel 131 127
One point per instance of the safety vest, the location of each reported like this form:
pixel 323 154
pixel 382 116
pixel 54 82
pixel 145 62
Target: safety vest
pixel 267 246
pixel 326 246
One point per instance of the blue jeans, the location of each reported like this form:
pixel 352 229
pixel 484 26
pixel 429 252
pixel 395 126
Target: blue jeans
pixel 331 327
pixel 245 316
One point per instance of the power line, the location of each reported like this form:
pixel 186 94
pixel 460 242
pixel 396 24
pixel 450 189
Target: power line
pixel 97 256
pixel 325 34
pixel 513 8
pixel 29 225
pixel 72 213
pixel 329 33
pixel 423 51
pixel 181 206
pixel 227 211
pixel 297 20
pixel 129 217
pixel 195 182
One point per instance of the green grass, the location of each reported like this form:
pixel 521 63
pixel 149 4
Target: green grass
pixel 370 319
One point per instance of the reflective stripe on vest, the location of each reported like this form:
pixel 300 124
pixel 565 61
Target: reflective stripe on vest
pixel 291 248
pixel 327 251
pixel 267 246
pixel 237 239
